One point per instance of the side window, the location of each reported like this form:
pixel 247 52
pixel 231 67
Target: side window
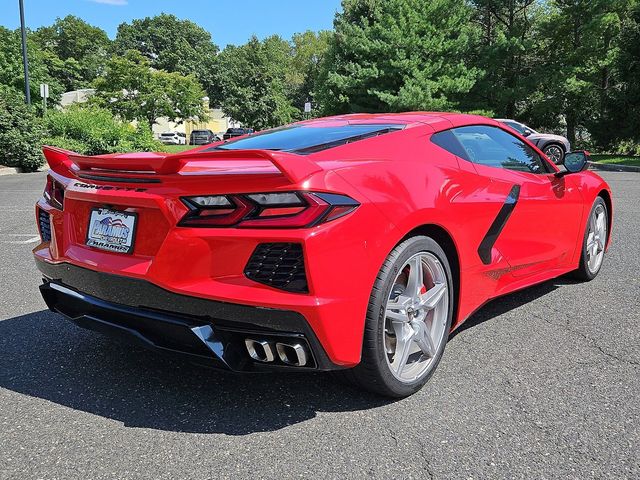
pixel 493 147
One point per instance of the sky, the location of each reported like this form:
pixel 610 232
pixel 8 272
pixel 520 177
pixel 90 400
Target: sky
pixel 228 21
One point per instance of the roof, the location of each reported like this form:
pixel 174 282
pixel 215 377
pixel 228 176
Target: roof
pixel 406 118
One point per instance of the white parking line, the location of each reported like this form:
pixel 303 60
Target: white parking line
pixel 23 242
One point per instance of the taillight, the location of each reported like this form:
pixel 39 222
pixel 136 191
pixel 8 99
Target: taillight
pixel 54 193
pixel 266 210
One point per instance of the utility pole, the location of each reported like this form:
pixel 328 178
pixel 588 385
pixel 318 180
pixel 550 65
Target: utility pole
pixel 25 61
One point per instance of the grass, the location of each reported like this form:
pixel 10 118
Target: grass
pixel 616 159
pixel 176 148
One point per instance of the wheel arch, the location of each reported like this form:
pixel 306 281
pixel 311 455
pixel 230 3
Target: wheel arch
pixel 606 196
pixel 446 242
pixel 548 143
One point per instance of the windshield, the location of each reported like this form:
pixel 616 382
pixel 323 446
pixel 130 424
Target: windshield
pixel 519 127
pixel 307 139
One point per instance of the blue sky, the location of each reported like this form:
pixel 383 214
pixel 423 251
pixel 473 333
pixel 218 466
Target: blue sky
pixel 229 21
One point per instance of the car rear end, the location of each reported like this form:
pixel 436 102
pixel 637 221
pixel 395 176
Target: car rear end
pixel 169 138
pixel 240 260
pixel 201 137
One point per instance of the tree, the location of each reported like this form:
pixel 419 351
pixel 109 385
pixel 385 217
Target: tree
pixel 133 90
pixel 172 45
pixel 77 51
pixel 507 53
pixel 309 52
pixel 581 34
pixel 390 55
pixel 20 132
pixel 256 84
pixel 620 119
pixel 11 69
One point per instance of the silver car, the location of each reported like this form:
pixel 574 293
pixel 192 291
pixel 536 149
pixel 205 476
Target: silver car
pixel 553 146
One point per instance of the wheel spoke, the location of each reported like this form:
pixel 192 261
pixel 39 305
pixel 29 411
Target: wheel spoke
pixel 432 297
pixel 423 338
pixel 404 341
pixel 416 277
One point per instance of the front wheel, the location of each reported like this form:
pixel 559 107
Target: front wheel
pixel 408 320
pixel 594 242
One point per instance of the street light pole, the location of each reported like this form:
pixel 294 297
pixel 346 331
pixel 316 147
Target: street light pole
pixel 25 61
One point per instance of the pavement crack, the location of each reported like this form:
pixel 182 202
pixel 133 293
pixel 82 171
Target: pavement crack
pixel 593 343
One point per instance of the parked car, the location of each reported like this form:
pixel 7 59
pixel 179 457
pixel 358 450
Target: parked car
pixel 553 146
pixel 203 137
pixel 173 138
pixel 236 132
pixel 353 243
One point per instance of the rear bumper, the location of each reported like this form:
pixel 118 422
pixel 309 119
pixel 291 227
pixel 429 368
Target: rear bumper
pixel 204 331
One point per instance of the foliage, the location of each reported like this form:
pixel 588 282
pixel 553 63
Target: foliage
pixel 255 83
pixel 20 132
pixel 11 70
pixel 393 55
pixel 309 50
pixel 505 52
pixel 172 45
pixel 133 90
pixel 91 130
pixel 76 49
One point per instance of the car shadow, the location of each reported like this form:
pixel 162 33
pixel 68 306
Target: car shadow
pixel 48 357
pixel 506 303
pixel 45 356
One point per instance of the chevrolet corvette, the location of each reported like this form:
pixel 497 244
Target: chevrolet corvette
pixel 353 243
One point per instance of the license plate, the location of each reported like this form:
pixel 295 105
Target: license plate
pixel 111 230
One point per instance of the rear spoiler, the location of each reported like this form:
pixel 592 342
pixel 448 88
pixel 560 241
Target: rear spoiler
pixel 294 167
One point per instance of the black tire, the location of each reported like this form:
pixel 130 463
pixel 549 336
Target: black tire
pixel 373 373
pixel 547 151
pixel 583 273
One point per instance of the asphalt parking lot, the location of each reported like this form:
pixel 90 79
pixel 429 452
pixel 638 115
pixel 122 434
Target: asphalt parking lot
pixel 544 383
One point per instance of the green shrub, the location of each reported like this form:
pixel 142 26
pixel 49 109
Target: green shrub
pixel 20 132
pixel 91 130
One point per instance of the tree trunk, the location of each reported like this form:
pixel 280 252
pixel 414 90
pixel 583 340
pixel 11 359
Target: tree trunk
pixel 571 127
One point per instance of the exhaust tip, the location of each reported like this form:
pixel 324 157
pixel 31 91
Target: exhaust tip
pixel 294 354
pixel 259 350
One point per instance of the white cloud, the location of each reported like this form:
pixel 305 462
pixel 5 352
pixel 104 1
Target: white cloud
pixel 111 2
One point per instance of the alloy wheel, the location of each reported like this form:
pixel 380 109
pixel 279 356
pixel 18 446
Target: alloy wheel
pixel 596 238
pixel 416 317
pixel 555 153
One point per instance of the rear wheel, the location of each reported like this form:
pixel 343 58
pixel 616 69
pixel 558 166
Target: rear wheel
pixel 594 242
pixel 408 320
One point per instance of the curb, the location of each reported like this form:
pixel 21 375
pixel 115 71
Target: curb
pixel 612 167
pixel 9 171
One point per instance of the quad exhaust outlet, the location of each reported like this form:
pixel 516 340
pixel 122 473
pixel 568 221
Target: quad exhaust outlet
pixel 294 354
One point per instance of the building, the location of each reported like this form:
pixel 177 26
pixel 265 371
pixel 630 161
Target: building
pixel 217 122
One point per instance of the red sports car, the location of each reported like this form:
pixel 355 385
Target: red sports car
pixel 354 243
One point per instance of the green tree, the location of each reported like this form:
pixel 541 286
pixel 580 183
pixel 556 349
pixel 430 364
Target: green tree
pixel 172 45
pixel 11 69
pixel 256 83
pixel 620 118
pixel 131 89
pixel 507 52
pixel 309 53
pixel 81 50
pixel 581 35
pixel 390 55
pixel 20 132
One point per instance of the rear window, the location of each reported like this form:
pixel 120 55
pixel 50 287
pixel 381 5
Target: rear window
pixel 306 139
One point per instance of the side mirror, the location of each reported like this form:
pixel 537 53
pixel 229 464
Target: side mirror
pixel 576 162
pixel 526 132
